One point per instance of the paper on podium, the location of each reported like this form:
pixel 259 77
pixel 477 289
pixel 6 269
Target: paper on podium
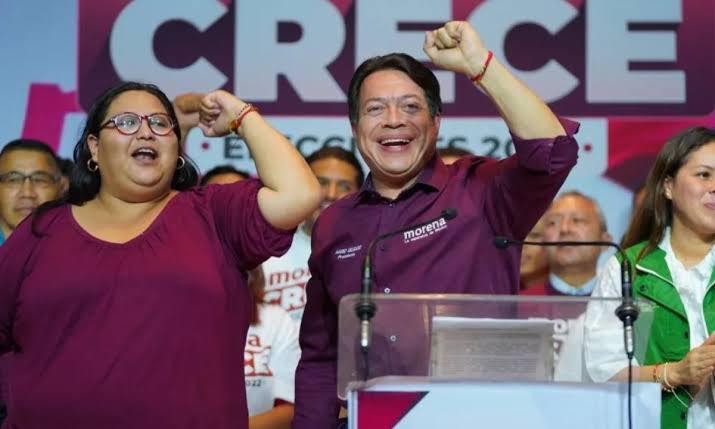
pixel 492 349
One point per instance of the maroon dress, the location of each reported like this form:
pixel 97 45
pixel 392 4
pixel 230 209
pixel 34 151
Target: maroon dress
pixel 145 334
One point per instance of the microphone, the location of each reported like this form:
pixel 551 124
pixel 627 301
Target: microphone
pixel 365 308
pixel 627 312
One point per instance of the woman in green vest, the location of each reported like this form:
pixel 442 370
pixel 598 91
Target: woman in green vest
pixel 670 245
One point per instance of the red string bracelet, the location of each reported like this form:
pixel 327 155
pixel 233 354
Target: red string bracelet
pixel 234 125
pixel 478 78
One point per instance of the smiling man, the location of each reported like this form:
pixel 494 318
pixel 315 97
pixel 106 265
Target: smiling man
pixel 576 217
pixel 395 111
pixel 29 176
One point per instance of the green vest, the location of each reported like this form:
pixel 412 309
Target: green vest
pixel 669 339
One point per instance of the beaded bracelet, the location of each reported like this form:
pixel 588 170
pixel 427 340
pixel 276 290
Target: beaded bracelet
pixel 234 125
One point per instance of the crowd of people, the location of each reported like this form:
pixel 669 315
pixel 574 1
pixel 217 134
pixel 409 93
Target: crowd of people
pixel 132 287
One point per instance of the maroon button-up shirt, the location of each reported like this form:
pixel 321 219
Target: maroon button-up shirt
pixel 491 197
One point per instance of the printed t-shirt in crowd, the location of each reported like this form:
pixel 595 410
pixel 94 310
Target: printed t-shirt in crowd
pixel 287 275
pixel 271 356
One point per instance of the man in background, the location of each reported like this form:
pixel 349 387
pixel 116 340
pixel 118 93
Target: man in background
pixel 339 174
pixel 572 216
pixel 534 267
pixel 223 175
pixel 30 175
pixel 450 154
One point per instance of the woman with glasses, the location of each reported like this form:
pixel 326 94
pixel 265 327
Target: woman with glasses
pixel 125 304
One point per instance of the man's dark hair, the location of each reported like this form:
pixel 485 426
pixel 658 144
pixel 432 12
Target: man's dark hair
pixel 32 145
pixel 416 71
pixel 456 152
pixel 222 169
pixel 66 167
pixel 341 154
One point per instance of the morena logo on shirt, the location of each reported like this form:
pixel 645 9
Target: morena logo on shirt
pixel 424 231
pixel 256 358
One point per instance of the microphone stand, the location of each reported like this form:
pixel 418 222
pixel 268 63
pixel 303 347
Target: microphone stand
pixel 627 312
pixel 365 308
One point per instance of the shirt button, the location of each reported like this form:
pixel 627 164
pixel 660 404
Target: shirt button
pixel 383 247
pixel 387 290
pixel 686 334
pixel 642 288
pixel 683 415
pixel 392 204
pixel 393 338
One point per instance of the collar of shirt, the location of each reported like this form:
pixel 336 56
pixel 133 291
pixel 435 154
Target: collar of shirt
pixel 433 177
pixel 566 289
pixel 703 269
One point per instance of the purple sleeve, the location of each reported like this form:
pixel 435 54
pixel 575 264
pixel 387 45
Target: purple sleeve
pixel 14 258
pixel 241 224
pixel 523 185
pixel 316 402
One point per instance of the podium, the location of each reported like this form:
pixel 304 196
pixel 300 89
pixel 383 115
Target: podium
pixel 467 361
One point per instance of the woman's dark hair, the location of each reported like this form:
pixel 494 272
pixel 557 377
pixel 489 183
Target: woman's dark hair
pixel 417 71
pixel 340 154
pixel 85 184
pixel 657 211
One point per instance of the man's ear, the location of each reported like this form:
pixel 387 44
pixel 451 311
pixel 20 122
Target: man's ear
pixel 64 185
pixel 437 122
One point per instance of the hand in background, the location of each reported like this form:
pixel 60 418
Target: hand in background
pixel 187 111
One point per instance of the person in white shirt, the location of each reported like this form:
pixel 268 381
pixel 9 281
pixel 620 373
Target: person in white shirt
pixel 670 246
pixel 339 174
pixel 270 359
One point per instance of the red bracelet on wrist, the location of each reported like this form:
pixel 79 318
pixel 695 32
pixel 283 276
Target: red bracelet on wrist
pixel 235 124
pixel 478 77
